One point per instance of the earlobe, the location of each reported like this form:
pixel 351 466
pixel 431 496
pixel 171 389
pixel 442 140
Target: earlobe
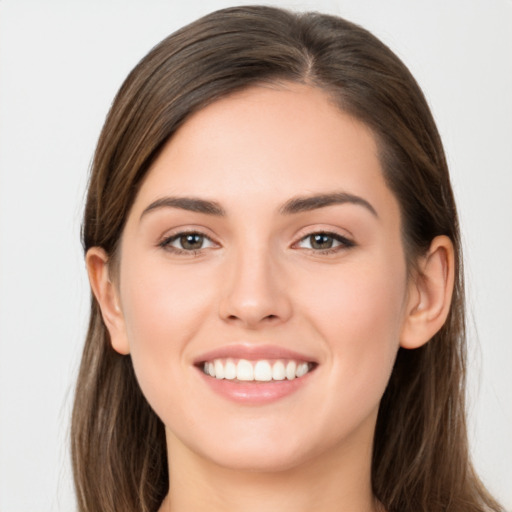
pixel 106 294
pixel 430 296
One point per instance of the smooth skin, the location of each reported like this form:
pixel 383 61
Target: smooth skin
pixel 255 275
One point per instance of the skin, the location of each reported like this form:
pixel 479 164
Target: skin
pixel 259 280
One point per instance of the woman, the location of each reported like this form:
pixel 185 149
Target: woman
pixel 278 313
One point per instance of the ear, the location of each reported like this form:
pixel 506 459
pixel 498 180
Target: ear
pixel 430 294
pixel 106 294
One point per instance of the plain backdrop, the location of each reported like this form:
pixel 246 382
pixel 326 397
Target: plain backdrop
pixel 60 66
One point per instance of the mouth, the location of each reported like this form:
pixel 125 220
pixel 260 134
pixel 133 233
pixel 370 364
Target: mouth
pixel 260 370
pixel 255 375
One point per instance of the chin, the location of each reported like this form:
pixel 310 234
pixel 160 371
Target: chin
pixel 260 459
pixel 268 450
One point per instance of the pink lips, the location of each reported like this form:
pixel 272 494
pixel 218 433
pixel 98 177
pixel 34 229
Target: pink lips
pixel 254 392
pixel 252 352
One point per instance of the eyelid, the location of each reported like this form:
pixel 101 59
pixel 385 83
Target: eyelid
pixel 165 241
pixel 345 242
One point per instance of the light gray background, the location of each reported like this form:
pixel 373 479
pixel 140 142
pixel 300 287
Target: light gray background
pixel 60 66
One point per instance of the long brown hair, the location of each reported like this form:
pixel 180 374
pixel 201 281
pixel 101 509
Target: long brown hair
pixel 420 458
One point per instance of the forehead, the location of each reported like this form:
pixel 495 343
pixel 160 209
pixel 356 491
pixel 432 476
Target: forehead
pixel 268 143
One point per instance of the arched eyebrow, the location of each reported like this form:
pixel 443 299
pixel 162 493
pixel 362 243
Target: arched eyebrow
pixel 192 204
pixel 307 203
pixel 292 206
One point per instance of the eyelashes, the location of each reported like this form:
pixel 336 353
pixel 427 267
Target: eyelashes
pixel 193 243
pixel 325 242
pixel 187 241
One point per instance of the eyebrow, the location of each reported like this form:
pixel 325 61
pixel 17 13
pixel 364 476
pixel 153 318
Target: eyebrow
pixel 292 206
pixel 192 204
pixel 307 203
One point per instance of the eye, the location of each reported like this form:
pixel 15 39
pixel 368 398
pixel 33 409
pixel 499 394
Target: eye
pixel 325 242
pixel 190 242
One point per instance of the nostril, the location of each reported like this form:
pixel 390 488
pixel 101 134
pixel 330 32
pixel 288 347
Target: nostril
pixel 268 317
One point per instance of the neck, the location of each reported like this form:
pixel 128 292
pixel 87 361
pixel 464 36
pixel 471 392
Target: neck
pixel 324 484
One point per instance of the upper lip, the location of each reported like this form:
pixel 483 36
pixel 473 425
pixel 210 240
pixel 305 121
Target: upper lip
pixel 251 351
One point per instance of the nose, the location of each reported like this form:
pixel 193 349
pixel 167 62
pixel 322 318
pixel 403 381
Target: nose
pixel 255 294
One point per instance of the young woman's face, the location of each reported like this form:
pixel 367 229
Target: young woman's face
pixel 263 244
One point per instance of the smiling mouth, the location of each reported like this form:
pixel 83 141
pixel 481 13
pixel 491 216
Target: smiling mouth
pixel 261 370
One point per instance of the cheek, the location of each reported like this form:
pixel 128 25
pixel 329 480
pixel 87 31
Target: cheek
pixel 160 299
pixel 162 312
pixel 359 314
pixel 359 298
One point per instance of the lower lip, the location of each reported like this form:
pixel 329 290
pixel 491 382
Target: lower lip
pixel 255 392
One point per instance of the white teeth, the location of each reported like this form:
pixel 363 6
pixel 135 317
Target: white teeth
pixel 244 370
pixel 278 371
pixel 219 369
pixel 302 369
pixel 261 370
pixel 230 370
pixel 291 368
